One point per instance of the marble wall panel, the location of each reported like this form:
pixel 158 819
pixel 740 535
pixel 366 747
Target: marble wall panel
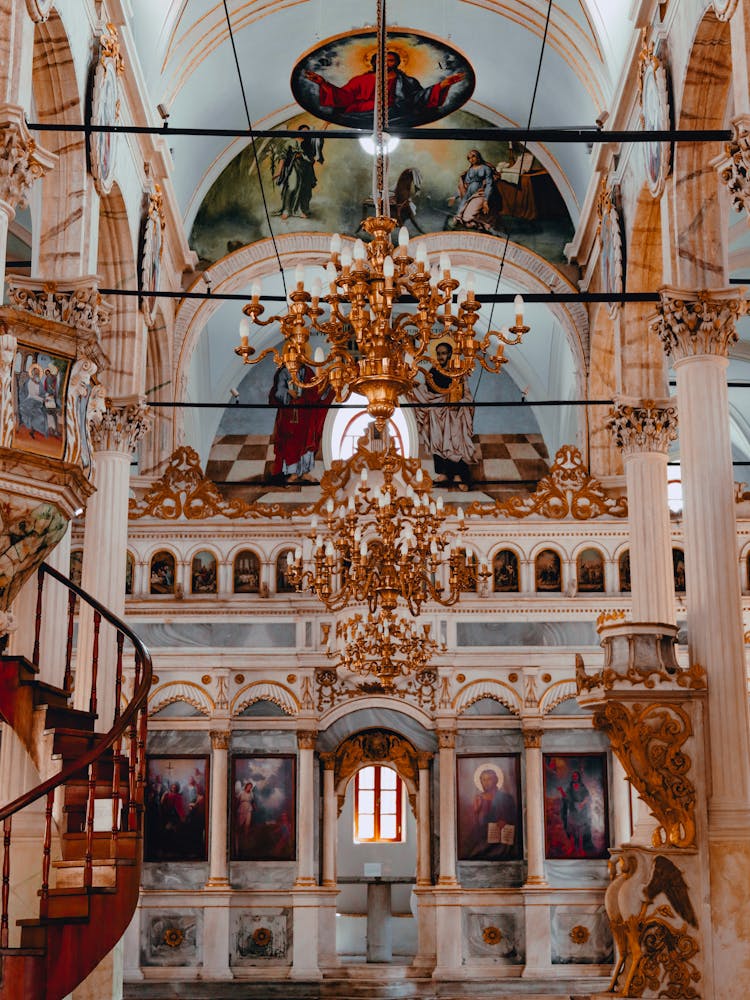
pixel 525 633
pixel 260 938
pixel 494 936
pixel 223 635
pixel 262 874
pixel 171 939
pixel 491 874
pixel 577 874
pixel 265 741
pixel 178 742
pixel 174 875
pixel 580 935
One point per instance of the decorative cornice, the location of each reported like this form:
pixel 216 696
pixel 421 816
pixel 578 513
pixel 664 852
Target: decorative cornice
pixel 22 161
pixel 120 425
pixel 566 491
pixel 647 426
pixel 694 323
pixel 335 684
pixel 76 302
pixel 220 739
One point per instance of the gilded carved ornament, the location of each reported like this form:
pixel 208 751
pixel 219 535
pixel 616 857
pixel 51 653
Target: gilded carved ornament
pixel 690 324
pixel 532 738
pixel 334 685
pixel 643 427
pixel 22 161
pixel 76 302
pixel 566 491
pixel 376 746
pixel 220 739
pixel 648 740
pixel 7 410
pixel 307 739
pixel 119 426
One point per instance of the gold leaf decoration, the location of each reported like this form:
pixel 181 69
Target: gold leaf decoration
pixel 492 935
pixel 262 937
pixel 579 934
pixel 173 937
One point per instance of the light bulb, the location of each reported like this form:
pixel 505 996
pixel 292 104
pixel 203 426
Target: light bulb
pixel 244 331
pixel 445 263
pixel 289 558
pixel 359 250
pixel 335 244
pixel 403 237
pixel 298 553
pixel 330 552
pixel 346 258
pixel 331 274
pixel 363 475
pixel 299 275
pixel 255 290
pixel 419 475
pixel 363 548
pixel 388 267
pixel 421 257
pixel 518 305
pixel 329 505
pixel 471 281
pixel 316 287
pixel 319 356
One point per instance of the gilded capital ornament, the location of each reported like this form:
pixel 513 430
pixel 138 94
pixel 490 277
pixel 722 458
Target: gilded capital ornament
pixel 120 425
pixel 306 739
pixel 423 761
pixel 447 739
pixel 220 739
pixel 532 739
pixel 644 426
pixel 733 165
pixel 22 161
pixel 694 323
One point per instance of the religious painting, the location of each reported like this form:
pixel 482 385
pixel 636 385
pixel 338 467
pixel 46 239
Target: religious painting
pixel 610 245
pixel 76 566
pixel 162 579
pixel 246 573
pixel 678 566
pixel 575 806
pixel 203 573
pixel 488 790
pixel 105 110
pixel 624 569
pixel 283 584
pixel 40 386
pixel 655 117
pixel 426 79
pixel 129 573
pixel 590 571
pixel 499 188
pixel 298 428
pixel 176 798
pixel 152 248
pixel 263 826
pixel 548 573
pixel 505 572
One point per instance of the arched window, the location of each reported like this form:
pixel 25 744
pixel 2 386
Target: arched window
pixel 590 571
pixel 162 573
pixel 246 573
pixel 548 574
pixel 378 806
pixel 678 565
pixel 283 586
pixel 203 573
pixel 624 567
pixel 505 572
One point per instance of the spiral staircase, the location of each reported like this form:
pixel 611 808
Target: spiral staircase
pixel 72 845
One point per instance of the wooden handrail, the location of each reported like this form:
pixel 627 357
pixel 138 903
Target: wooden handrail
pixel 121 723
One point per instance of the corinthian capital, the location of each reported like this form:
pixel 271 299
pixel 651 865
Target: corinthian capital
pixel 692 323
pixel 22 161
pixel 643 426
pixel 120 424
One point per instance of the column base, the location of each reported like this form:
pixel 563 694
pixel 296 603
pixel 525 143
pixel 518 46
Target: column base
pixel 448 881
pixel 305 883
pixel 536 882
pixel 218 883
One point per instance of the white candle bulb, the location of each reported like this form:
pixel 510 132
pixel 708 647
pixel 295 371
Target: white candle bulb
pixel 350 505
pixel 331 273
pixel 363 475
pixel 403 237
pixel 244 331
pixel 289 558
pixel 298 553
pixel 419 476
pixel 363 549
pixel 421 257
pixel 346 258
pixel 299 275
pixel 460 513
pixel 255 289
pixel 439 503
pixel 518 305
pixel 329 550
pixel 329 505
pixel 388 267
pixel 319 356
pixel 359 250
pixel 335 244
pixel 471 282
pixel 316 287
pixel 445 263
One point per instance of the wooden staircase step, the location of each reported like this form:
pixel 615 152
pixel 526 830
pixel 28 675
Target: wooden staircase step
pixel 103 870
pixel 69 718
pixel 47 694
pixel 125 846
pixel 73 901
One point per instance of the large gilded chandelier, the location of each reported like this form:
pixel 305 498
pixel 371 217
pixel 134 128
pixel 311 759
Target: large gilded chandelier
pixel 382 542
pixel 382 309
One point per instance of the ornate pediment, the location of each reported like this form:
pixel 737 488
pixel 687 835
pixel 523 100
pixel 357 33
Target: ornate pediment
pixel 184 492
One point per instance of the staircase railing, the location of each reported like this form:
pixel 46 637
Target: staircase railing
pixel 129 726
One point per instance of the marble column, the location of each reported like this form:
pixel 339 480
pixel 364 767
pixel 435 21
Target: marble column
pixel 330 817
pixel 621 807
pixel 532 741
pixel 697 330
pixel 424 841
pixel 22 162
pixel 447 758
pixel 306 741
pixel 115 436
pixel 218 867
pixel 644 430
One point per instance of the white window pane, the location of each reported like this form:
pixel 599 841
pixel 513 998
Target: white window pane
pixel 388 827
pixel 387 778
pixel 366 827
pixel 387 802
pixel 366 777
pixel 366 801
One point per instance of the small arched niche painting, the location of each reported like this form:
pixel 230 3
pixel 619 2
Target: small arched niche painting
pixel 624 567
pixel 203 573
pixel 678 566
pixel 162 577
pixel 548 575
pixel 283 585
pixel 590 567
pixel 505 572
pixel 246 573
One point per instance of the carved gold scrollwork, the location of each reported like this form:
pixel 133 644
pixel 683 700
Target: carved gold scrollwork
pixel 376 746
pixel 649 740
pixel 692 323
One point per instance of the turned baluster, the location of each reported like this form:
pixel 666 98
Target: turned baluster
pixel 46 853
pixel 6 884
pixel 88 871
pixel 38 620
pixel 68 678
pixel 95 662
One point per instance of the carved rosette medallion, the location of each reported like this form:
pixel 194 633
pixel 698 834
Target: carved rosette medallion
pixel 152 249
pixel 105 110
pixel 691 324
pixel 733 165
pixel 655 116
pixel 119 426
pixel 643 427
pixel 611 256
pixel 22 161
pixel 446 739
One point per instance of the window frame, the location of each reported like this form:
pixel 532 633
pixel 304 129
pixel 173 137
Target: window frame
pixel 377 813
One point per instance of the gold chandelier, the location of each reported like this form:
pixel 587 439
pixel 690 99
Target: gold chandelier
pixel 382 542
pixel 383 308
pixel 385 646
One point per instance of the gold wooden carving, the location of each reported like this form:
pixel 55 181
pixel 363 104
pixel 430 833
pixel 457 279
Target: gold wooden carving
pixel 649 740
pixel 183 491
pixel 377 746
pixel 692 678
pixel 567 491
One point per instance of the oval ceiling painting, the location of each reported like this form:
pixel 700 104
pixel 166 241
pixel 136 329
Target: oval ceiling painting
pixel 426 79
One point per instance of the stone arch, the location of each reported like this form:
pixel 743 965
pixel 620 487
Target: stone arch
pixel 116 267
pixel 186 691
pixel 63 231
pixel 379 747
pixel 701 247
pixel 557 693
pixel 278 694
pixel 487 688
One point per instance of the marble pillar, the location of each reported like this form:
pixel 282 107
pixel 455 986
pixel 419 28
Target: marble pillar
pixel 22 162
pixel 621 805
pixel 644 430
pixel 115 436
pixel 447 758
pixel 218 846
pixel 424 840
pixel 697 330
pixel 306 820
pixel 330 816
pixel 532 742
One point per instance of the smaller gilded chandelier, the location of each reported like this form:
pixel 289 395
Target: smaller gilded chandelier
pixel 383 541
pixel 385 646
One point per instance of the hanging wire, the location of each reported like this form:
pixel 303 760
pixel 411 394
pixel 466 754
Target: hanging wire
pixel 255 148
